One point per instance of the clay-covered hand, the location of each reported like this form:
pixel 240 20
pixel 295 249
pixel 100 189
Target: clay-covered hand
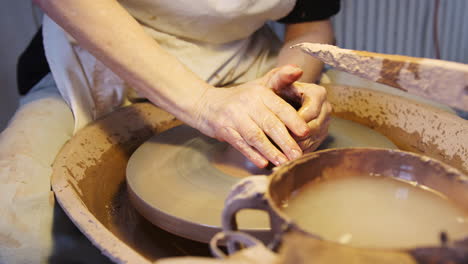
pixel 249 115
pixel 315 110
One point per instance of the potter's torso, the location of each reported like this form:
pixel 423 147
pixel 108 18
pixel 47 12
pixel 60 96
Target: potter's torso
pixel 222 41
pixel 207 21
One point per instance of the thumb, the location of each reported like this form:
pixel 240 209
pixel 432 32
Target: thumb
pixel 283 77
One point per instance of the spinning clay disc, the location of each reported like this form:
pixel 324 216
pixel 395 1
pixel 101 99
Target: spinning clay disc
pixel 179 179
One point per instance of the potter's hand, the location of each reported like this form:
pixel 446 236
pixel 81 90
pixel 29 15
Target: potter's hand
pixel 318 129
pixel 246 115
pixel 315 110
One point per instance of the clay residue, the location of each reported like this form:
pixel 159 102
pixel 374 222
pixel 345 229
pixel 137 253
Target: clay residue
pixel 409 125
pixel 390 57
pixel 414 68
pixel 105 195
pixel 391 70
pixel 93 164
pixel 439 80
pixel 8 241
pixel 367 66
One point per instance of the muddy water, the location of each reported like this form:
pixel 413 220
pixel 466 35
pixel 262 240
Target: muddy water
pixel 376 211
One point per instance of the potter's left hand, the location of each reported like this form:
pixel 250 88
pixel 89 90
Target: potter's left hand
pixel 314 109
pixel 318 129
pixel 246 114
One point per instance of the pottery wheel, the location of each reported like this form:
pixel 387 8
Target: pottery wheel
pixel 179 179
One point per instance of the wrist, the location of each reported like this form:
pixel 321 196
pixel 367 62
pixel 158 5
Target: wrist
pixel 196 110
pixel 187 105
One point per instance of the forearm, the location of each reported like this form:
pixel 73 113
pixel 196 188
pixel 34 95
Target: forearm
pixel 108 32
pixel 317 32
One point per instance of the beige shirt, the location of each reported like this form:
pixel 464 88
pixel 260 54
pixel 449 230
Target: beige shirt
pixel 222 41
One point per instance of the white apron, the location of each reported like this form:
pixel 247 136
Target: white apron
pixel 222 41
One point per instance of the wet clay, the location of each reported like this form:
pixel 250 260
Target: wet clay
pixel 193 174
pixel 376 212
pixel 231 162
pixel 174 184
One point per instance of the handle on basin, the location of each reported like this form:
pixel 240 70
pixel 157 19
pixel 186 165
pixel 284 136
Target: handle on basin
pixel 237 237
pixel 249 193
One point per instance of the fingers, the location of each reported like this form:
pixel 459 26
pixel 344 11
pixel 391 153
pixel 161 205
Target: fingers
pixel 311 144
pixel 274 119
pixel 287 114
pixel 319 129
pixel 245 115
pixel 255 137
pixel 232 137
pixel 276 130
pixel 313 98
pixel 282 77
pixel 316 124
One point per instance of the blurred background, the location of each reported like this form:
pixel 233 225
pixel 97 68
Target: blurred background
pixel 420 28
pixel 19 20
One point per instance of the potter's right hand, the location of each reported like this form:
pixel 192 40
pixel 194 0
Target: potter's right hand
pixel 246 116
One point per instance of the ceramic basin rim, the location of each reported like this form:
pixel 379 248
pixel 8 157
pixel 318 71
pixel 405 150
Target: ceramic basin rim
pixel 291 224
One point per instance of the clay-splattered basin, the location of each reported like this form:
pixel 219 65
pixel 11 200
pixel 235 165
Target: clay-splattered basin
pixel 89 172
pixel 271 193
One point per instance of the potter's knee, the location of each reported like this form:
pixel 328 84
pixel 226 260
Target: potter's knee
pixel 25 239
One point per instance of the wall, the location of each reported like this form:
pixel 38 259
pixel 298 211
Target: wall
pixel 405 27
